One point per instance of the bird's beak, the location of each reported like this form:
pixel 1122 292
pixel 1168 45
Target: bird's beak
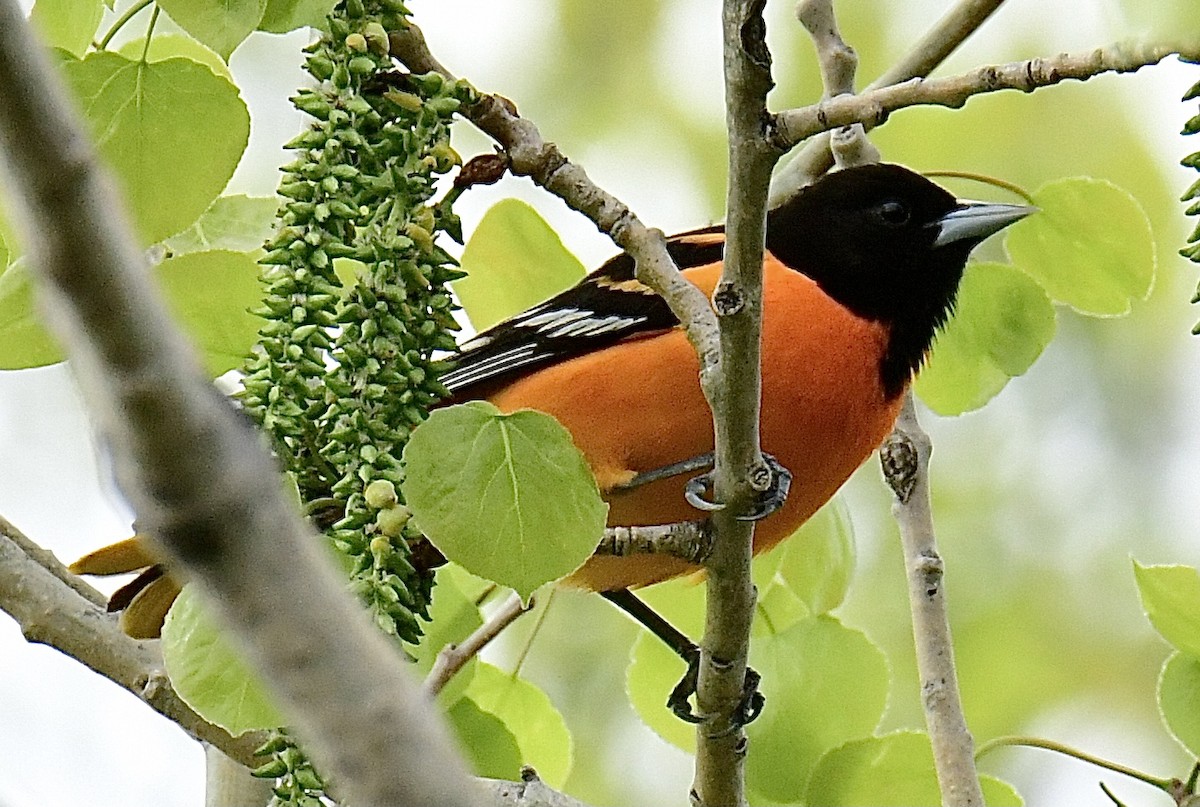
pixel 975 221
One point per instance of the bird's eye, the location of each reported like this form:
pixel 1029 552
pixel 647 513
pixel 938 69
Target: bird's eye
pixel 893 213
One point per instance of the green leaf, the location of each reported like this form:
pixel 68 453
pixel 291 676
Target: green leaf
pixel 453 616
pixel 537 726
pixel 282 16
pixel 210 294
pixel 818 560
pixel 1179 700
pixel 489 744
pixel 168 46
pixel 1003 322
pixel 895 769
pixel 23 341
pixel 67 24
pixel 172 131
pixel 1171 599
pixel 1090 246
pixel 824 684
pixel 239 223
pixel 507 497
pixel 209 674
pixel 221 25
pixel 513 261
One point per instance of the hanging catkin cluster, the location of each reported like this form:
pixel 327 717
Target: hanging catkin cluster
pixel 357 307
pixel 1192 251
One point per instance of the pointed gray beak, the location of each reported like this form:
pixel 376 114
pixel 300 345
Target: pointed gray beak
pixel 975 221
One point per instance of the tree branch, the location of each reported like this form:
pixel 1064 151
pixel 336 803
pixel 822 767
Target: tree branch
pixel 922 59
pixel 199 477
pixel 452 657
pixel 741 473
pixel 55 608
pixel 689 540
pixel 905 460
pixel 529 155
pixel 873 107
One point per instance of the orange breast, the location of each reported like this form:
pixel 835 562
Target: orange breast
pixel 637 406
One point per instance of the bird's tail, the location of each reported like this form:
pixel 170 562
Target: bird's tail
pixel 144 601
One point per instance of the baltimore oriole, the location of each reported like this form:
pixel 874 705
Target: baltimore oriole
pixel 861 269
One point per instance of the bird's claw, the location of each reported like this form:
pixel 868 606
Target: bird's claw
pixel 747 710
pixel 696 493
pixel 766 503
pixel 775 494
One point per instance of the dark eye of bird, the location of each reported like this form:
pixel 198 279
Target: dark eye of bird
pixel 893 213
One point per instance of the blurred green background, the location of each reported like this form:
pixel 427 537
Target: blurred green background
pixel 1040 498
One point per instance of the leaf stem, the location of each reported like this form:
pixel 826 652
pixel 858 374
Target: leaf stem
pixel 150 32
pixel 986 180
pixel 129 14
pixel 1162 783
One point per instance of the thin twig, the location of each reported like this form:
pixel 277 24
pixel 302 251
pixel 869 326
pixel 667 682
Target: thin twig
pixel 453 658
pixel 688 540
pixel 954 27
pixel 873 107
pixel 905 460
pixel 1163 783
pixel 48 561
pixel 200 478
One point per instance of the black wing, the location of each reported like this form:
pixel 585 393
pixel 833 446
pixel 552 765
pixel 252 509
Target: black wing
pixel 605 307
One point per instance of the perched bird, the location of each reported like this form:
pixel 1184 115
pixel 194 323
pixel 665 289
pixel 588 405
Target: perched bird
pixel 861 269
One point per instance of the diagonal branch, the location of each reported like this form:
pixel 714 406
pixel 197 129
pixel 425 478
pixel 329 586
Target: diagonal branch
pixel 55 608
pixel 530 155
pixel 200 478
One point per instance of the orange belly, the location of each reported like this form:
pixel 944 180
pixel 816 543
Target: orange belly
pixel 824 411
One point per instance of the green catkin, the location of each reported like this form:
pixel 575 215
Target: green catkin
pixel 345 365
pixel 1192 250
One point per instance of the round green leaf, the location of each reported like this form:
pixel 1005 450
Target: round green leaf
pixel 818 561
pixel 896 769
pixel 488 743
pixel 67 24
pixel 824 684
pixel 23 340
pixel 221 26
pixel 172 131
pixel 210 294
pixel 1171 599
pixel 540 732
pixel 1090 247
pixel 507 497
pixel 1179 699
pixel 239 223
pixel 513 261
pixel 209 674
pixel 1003 321
pixel 282 16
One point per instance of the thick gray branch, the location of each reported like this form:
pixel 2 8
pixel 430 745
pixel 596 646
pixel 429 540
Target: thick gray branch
pixel 55 608
pixel 905 460
pixel 197 473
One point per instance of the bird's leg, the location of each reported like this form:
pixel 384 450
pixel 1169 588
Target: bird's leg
pixel 767 502
pixel 679 700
